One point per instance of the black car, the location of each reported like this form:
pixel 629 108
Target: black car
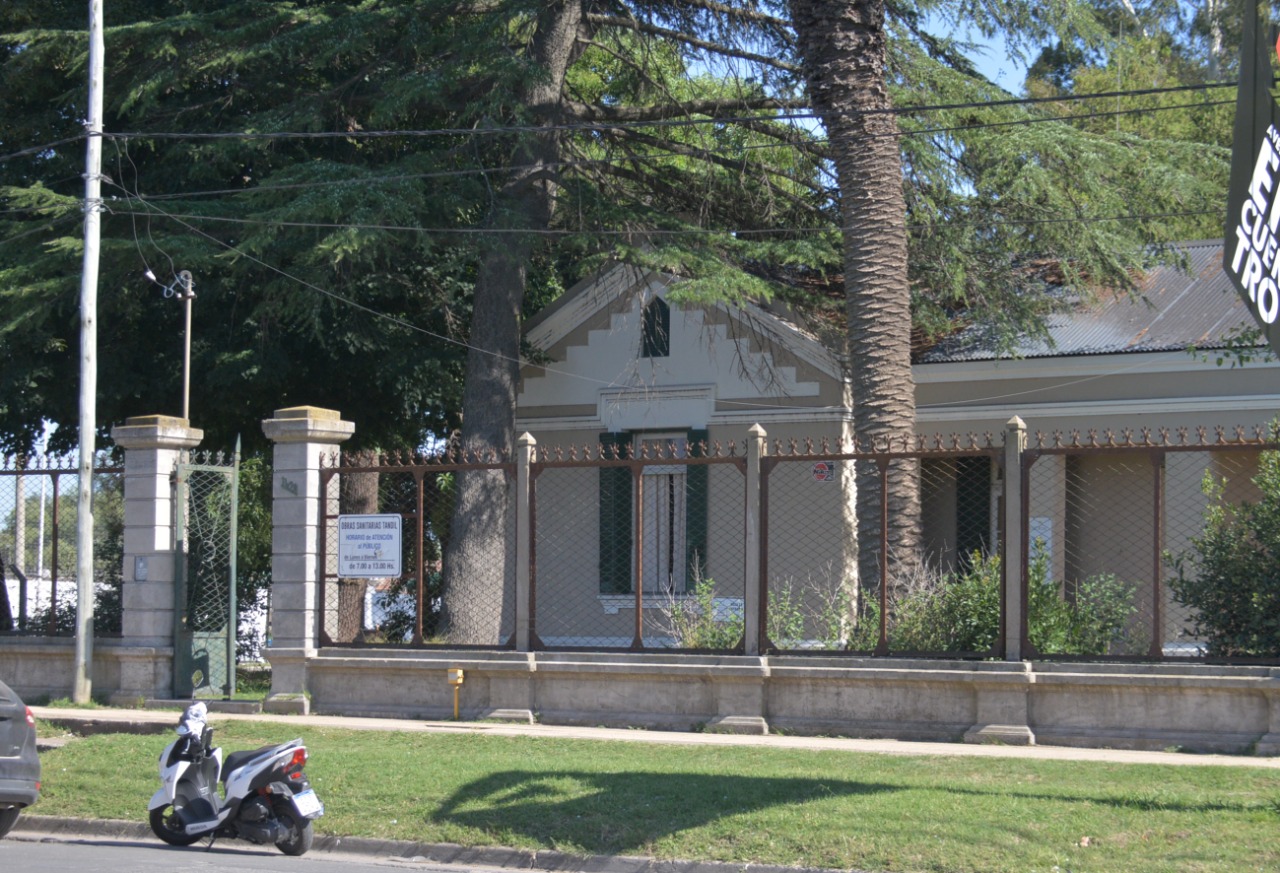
pixel 19 764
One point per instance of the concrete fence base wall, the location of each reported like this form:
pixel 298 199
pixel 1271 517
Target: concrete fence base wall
pixel 1194 707
pixel 124 675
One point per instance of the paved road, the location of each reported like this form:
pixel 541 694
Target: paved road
pixel 33 854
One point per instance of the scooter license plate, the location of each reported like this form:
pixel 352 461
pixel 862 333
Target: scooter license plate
pixel 308 803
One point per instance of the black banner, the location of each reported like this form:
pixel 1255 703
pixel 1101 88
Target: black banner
pixel 1251 249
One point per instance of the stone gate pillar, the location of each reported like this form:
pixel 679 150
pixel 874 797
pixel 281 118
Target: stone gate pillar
pixel 302 435
pixel 153 444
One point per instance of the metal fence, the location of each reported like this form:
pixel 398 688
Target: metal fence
pixel 205 524
pixel 433 591
pixel 1108 522
pixel 39 499
pixel 645 543
pixel 840 576
pixel 665 513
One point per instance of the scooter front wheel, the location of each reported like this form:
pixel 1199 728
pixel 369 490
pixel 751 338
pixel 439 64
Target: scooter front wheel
pixel 166 825
pixel 300 832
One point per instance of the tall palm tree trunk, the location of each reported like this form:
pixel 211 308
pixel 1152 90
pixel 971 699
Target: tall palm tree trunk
pixel 843 51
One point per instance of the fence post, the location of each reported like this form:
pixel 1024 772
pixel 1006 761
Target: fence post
pixel 153 445
pixel 753 594
pixel 1015 443
pixel 301 434
pixel 526 445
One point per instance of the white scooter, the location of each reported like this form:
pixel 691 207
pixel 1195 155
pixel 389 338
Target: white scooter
pixel 267 798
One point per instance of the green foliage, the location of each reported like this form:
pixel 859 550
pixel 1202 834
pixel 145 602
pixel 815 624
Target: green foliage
pixel 961 613
pixel 1230 575
pixel 253 554
pixel 696 621
pixel 298 244
pixel 1093 620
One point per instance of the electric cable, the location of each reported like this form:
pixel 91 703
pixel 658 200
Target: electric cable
pixel 572 164
pixel 562 232
pixel 669 122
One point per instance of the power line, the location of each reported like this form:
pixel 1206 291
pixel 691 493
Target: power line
pixel 519 361
pixel 668 122
pixel 633 158
pixel 562 232
pixel 35 150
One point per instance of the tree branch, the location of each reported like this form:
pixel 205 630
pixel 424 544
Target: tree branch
pixel 689 39
pixel 588 112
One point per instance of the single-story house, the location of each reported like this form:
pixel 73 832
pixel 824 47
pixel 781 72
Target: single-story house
pixel 624 365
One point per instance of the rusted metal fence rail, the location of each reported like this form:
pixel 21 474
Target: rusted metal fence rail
pixel 1107 520
pixel 681 543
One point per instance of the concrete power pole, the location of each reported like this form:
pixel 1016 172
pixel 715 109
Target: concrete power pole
pixel 83 681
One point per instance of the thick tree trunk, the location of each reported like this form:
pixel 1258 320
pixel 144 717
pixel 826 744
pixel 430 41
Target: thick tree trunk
pixel 843 47
pixel 478 569
pixel 357 495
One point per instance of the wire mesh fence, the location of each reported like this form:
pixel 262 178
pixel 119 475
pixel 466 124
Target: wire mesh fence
pixel 843 573
pixel 39 502
pixel 644 542
pixel 402 566
pixel 1109 525
pixel 639 544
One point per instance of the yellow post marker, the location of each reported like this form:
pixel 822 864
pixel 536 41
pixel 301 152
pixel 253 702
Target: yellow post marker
pixel 455 679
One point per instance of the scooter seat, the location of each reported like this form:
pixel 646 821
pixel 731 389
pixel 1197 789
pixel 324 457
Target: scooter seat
pixel 237 760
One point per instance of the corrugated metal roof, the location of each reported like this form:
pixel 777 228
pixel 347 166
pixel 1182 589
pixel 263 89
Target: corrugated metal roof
pixel 1172 310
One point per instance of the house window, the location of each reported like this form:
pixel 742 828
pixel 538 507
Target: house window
pixel 655 339
pixel 662 514
pixel 672 514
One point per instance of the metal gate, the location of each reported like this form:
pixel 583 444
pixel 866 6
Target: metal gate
pixel 206 501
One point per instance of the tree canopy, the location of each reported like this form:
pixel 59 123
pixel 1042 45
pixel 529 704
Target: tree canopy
pixel 335 174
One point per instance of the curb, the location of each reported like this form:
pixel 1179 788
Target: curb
pixel 33 827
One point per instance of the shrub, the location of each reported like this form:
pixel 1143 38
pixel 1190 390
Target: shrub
pixel 960 612
pixel 1094 621
pixel 696 622
pixel 951 613
pixel 1230 575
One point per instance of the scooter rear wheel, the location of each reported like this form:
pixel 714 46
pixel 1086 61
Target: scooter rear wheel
pixel 300 832
pixel 166 825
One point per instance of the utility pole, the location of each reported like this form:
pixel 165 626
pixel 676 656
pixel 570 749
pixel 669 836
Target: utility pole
pixel 188 294
pixel 83 680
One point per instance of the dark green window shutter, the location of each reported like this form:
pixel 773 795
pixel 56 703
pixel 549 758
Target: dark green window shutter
pixel 615 518
pixel 695 501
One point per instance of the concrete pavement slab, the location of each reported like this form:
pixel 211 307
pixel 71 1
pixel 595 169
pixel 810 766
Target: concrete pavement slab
pixel 156 721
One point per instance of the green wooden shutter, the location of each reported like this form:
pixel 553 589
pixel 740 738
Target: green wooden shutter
pixel 695 501
pixel 615 519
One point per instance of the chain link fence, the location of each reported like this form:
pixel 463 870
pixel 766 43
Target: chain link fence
pixel 639 544
pixel 1109 521
pixel 843 574
pixel 39 502
pixel 455 580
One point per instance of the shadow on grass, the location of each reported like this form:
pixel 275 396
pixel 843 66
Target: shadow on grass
pixel 624 811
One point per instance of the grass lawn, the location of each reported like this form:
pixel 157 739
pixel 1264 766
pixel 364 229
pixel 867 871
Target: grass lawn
pixel 773 806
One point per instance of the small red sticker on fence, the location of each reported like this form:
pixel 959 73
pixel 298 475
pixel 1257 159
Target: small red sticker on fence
pixel 824 471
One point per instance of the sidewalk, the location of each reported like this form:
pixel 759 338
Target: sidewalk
pixel 160 721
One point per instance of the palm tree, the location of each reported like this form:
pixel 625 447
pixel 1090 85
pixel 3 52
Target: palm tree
pixel 842 46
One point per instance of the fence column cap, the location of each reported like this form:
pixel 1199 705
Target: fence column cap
pixel 156 432
pixel 307 424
